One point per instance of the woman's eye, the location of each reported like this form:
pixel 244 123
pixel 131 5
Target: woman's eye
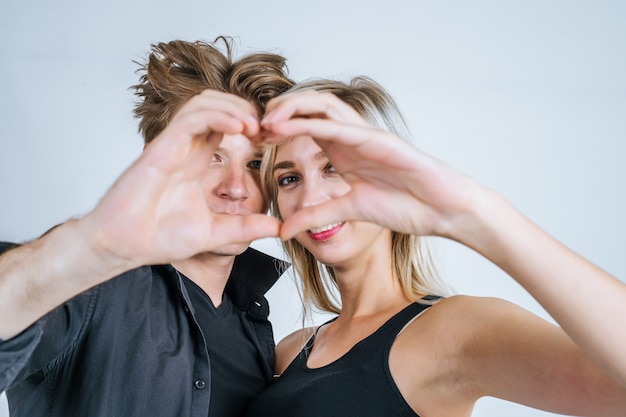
pixel 216 159
pixel 330 168
pixel 256 165
pixel 286 180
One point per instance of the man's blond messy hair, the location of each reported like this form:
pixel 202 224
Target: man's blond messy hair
pixel 176 71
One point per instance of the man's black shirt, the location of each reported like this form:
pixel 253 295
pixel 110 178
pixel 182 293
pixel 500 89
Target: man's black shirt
pixel 233 355
pixel 133 346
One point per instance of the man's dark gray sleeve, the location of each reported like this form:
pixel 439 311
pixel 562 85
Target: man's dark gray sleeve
pixel 15 352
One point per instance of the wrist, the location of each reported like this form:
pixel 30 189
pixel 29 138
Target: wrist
pixel 495 228
pixel 477 224
pixel 37 277
pixel 77 247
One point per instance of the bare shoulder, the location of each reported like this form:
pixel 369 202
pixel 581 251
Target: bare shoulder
pixel 484 346
pixel 455 344
pixel 289 346
pixel 459 321
pixel 472 328
pixel 464 307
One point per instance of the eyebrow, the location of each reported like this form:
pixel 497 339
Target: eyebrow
pixel 257 154
pixel 290 164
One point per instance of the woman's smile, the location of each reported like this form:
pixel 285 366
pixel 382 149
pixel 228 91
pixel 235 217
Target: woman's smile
pixel 325 232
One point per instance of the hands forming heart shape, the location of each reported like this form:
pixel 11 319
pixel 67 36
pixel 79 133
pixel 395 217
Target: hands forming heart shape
pixel 157 212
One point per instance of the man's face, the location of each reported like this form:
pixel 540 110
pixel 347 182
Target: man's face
pixel 232 183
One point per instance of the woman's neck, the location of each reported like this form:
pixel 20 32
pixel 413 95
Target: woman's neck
pixel 369 286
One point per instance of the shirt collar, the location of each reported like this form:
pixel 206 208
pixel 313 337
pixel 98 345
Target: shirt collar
pixel 253 274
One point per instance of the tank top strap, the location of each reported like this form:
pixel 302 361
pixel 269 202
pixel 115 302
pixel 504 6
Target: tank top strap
pixel 309 344
pixel 388 331
pixel 384 336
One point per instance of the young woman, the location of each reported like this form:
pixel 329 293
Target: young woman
pixel 354 197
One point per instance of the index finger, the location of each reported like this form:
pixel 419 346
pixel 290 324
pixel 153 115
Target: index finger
pixel 314 104
pixel 230 105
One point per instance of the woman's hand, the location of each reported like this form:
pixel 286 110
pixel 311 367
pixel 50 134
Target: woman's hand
pixel 392 183
pixel 399 187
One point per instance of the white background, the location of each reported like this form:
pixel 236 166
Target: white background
pixel 529 97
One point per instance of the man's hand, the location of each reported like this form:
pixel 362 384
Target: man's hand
pixel 156 211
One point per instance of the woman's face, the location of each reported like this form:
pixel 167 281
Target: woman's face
pixel 305 177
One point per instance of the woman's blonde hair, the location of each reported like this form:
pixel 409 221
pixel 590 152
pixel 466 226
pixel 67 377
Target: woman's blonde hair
pixel 414 267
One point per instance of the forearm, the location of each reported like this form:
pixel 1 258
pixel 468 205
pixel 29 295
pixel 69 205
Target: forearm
pixel 38 276
pixel 588 303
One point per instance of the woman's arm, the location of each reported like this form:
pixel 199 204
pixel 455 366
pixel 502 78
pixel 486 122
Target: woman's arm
pixel 588 303
pixel 511 354
pixel 399 187
pixel 481 346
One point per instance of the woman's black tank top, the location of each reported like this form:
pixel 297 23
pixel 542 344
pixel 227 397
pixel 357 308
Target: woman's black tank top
pixel 357 384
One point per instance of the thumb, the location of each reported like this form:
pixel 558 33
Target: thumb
pixel 244 228
pixel 332 211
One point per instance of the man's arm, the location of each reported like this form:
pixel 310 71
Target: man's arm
pixel 155 213
pixel 40 275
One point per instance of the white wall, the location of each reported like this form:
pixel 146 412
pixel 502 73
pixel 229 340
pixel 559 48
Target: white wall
pixel 528 97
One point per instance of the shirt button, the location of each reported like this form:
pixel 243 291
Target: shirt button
pixel 199 384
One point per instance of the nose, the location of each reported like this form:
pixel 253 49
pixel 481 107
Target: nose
pixel 314 192
pixel 233 184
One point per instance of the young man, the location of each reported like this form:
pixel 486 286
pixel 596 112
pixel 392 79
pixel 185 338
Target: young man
pixel 152 303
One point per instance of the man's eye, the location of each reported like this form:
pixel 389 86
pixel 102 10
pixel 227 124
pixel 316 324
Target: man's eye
pixel 256 165
pixel 216 159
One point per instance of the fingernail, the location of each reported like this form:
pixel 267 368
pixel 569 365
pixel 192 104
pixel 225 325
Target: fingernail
pixel 267 118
